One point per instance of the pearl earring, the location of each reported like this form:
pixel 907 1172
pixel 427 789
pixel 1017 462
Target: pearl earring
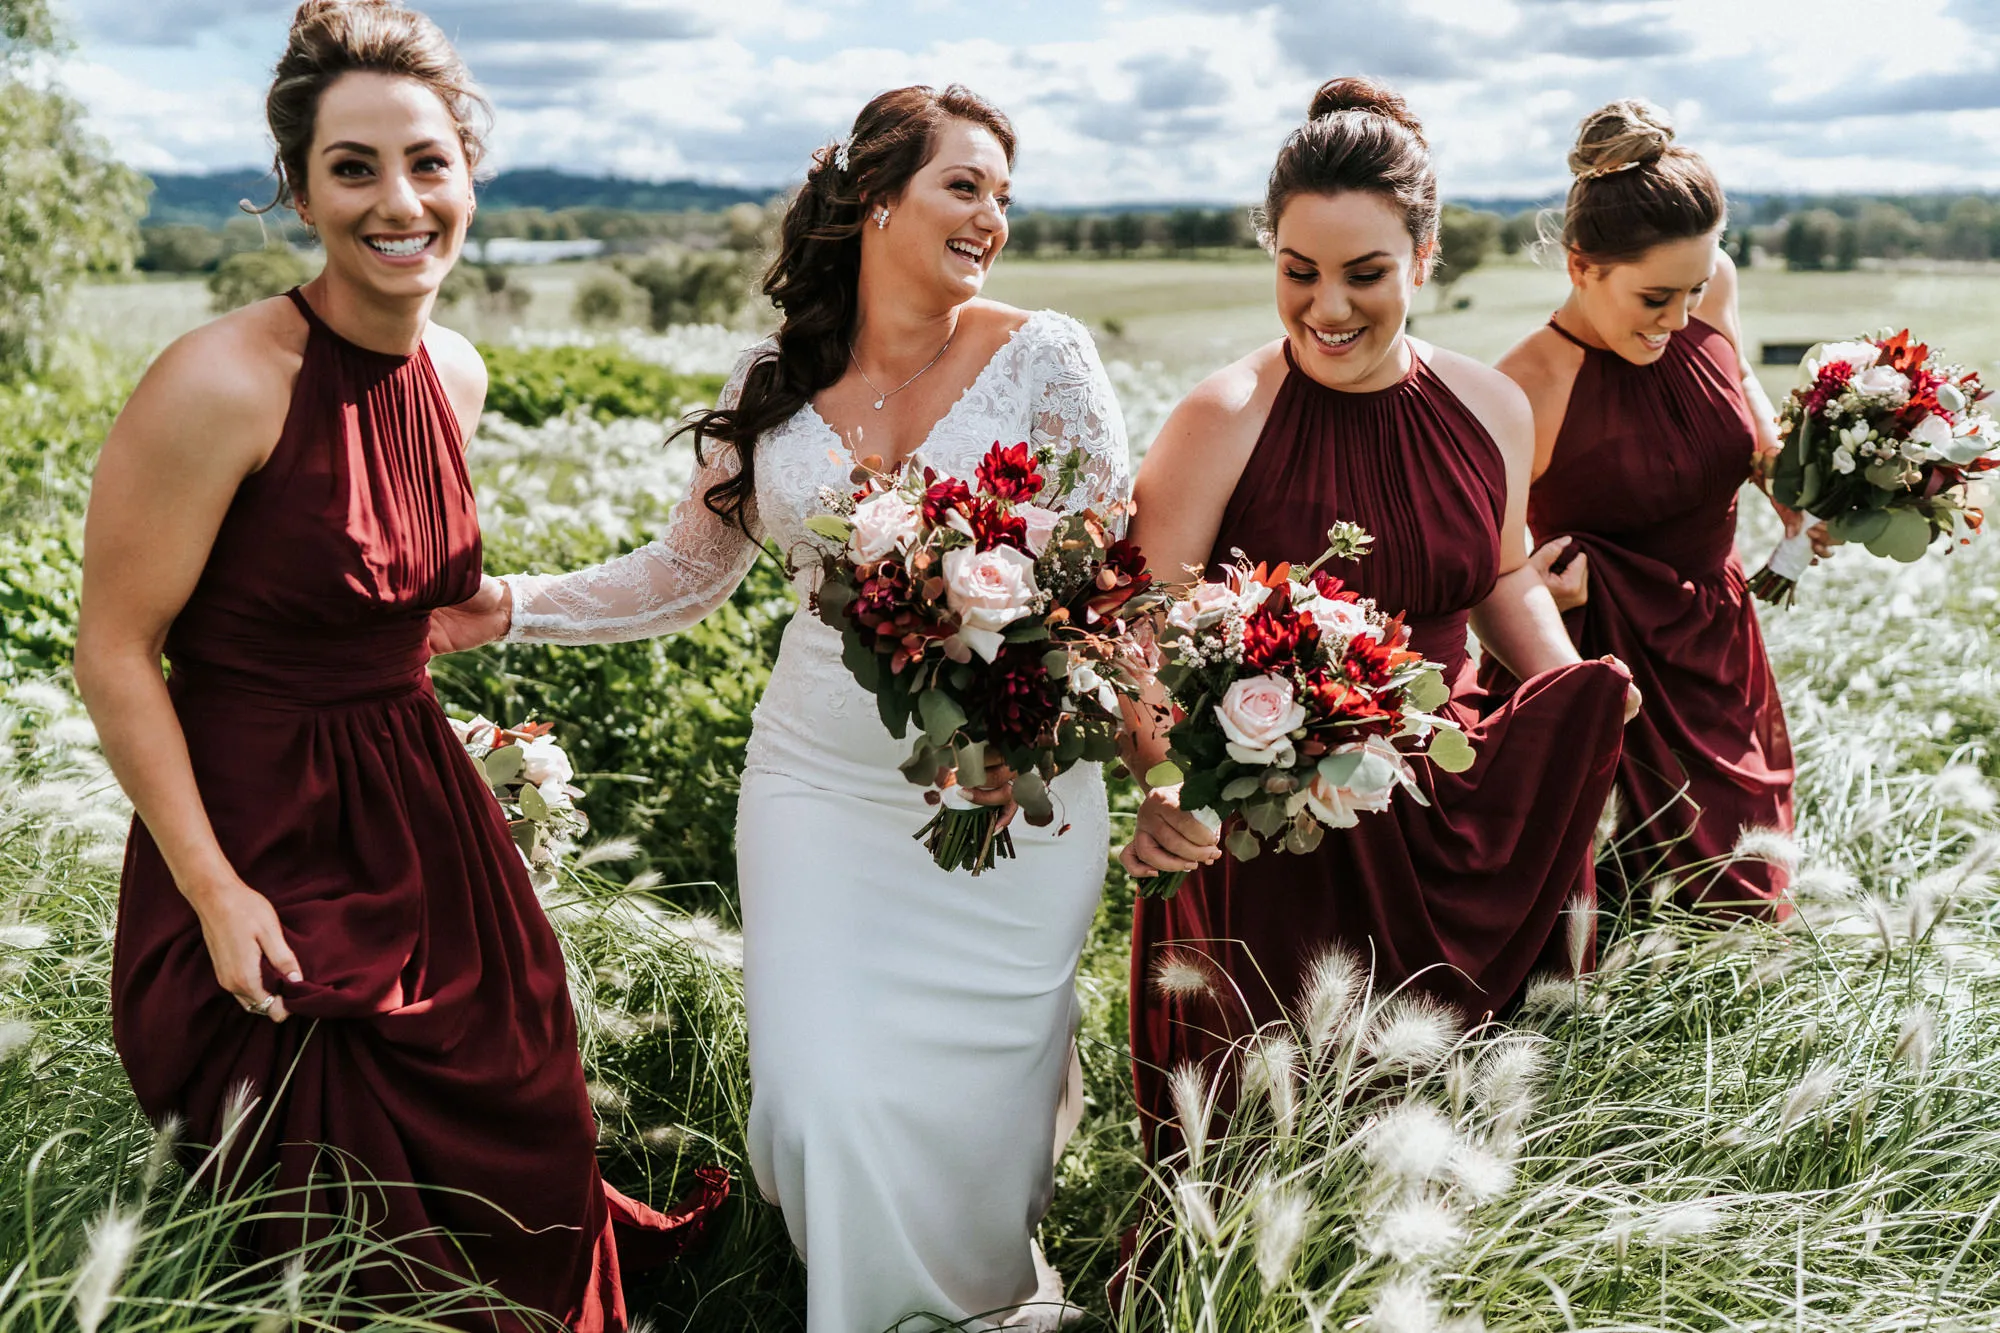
pixel 881 218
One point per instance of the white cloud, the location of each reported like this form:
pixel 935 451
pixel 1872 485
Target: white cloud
pixel 1129 99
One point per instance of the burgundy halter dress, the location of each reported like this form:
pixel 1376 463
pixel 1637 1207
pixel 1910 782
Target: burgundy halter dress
pixel 1463 898
pixel 1644 479
pixel 432 1041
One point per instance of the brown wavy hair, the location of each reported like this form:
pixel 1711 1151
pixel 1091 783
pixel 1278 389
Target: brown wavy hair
pixel 1635 187
pixel 1358 135
pixel 815 279
pixel 330 38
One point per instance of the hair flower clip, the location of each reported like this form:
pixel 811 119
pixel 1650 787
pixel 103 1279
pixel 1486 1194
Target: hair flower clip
pixel 840 154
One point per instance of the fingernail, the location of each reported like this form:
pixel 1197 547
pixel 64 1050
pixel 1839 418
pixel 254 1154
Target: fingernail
pixel 295 976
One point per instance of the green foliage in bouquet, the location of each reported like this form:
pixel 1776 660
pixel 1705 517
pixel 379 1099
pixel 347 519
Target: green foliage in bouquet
pixel 532 384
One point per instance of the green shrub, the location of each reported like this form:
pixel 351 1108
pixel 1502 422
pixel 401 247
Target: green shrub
pixel 604 299
pixel 254 275
pixel 703 288
pixel 532 384
pixel 180 249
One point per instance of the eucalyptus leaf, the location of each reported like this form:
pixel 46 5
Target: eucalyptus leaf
pixel 830 526
pixel 532 804
pixel 504 765
pixel 1164 774
pixel 923 764
pixel 1860 525
pixel 1339 769
pixel 1450 750
pixel 1265 817
pixel 1886 476
pixel 1032 795
pixel 1237 789
pixel 1243 845
pixel 861 663
pixel 1428 692
pixel 1056 662
pixel 970 760
pixel 1905 538
pixel 941 715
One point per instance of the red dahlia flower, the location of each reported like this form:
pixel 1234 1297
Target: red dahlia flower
pixel 1275 636
pixel 1022 701
pixel 1009 473
pixel 991 527
pixel 941 497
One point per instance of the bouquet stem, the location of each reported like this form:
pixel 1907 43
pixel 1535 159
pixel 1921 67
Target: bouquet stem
pixel 1163 885
pixel 1778 581
pixel 967 837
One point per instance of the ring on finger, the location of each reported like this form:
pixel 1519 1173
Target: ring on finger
pixel 261 1008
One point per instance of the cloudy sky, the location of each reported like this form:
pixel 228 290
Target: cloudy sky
pixel 1125 100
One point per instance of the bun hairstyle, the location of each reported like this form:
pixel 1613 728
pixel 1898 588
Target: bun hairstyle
pixel 1358 135
pixel 1635 187
pixel 814 281
pixel 330 38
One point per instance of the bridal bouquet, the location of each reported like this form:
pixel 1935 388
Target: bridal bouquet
pixel 1300 705
pixel 1881 441
pixel 997 624
pixel 530 776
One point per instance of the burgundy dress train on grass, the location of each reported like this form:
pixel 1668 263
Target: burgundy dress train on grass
pixel 1466 896
pixel 1644 480
pixel 432 1039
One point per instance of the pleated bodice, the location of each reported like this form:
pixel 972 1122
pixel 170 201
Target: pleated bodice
pixel 1652 456
pixel 1409 463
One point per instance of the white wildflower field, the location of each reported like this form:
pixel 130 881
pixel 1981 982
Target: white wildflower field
pixel 1788 1129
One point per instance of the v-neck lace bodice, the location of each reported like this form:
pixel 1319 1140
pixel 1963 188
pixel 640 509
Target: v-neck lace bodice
pixel 1044 385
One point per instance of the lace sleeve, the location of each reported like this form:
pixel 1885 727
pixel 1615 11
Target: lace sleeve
pixel 1076 411
pixel 665 585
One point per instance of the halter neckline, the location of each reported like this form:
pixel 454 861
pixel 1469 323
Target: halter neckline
pixel 318 324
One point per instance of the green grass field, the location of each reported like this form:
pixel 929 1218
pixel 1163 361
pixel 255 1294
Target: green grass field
pixel 1191 316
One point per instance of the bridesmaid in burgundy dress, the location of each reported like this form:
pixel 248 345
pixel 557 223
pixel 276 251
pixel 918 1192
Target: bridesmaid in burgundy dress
pixel 1648 420
pixel 1348 418
pixel 321 904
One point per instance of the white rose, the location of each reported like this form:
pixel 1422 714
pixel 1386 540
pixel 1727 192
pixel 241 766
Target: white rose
pixel 1206 603
pixel 883 524
pixel 1950 398
pixel 1258 715
pixel 1931 437
pixel 543 761
pixel 1882 382
pixel 989 590
pixel 1382 769
pixel 1041 525
pixel 480 731
pixel 1859 355
pixel 1344 620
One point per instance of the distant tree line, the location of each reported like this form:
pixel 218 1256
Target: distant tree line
pixel 1178 231
pixel 1838 234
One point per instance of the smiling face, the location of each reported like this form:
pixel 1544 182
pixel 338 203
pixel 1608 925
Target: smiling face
pixel 387 185
pixel 950 222
pixel 1347 269
pixel 1633 309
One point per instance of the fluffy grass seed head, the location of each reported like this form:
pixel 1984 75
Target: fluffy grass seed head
pixel 1579 932
pixel 1411 1145
pixel 15 1037
pixel 1412 1032
pixel 1281 1217
pixel 1405 1304
pixel 24 936
pixel 1481 1174
pixel 1682 1221
pixel 1197 1213
pixel 610 849
pixel 1808 1095
pixel 1417 1228
pixel 1915 1038
pixel 109 1244
pixel 1510 1072
pixel 1181 976
pixel 1335 981
pixel 1188 1091
pixel 1769 845
pixel 1271 1067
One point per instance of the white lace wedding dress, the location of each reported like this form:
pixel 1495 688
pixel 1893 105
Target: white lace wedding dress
pixel 909 1029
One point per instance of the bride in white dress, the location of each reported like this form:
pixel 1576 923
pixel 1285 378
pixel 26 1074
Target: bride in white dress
pixel 910 1029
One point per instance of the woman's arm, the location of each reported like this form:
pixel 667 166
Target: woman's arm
pixel 1182 492
pixel 204 417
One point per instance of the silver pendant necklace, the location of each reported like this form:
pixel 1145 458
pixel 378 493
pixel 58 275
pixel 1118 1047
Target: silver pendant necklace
pixel 882 398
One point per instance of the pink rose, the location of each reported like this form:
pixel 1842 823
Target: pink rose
pixel 1339 620
pixel 1207 603
pixel 1041 525
pixel 989 590
pixel 883 524
pixel 1374 781
pixel 1258 715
